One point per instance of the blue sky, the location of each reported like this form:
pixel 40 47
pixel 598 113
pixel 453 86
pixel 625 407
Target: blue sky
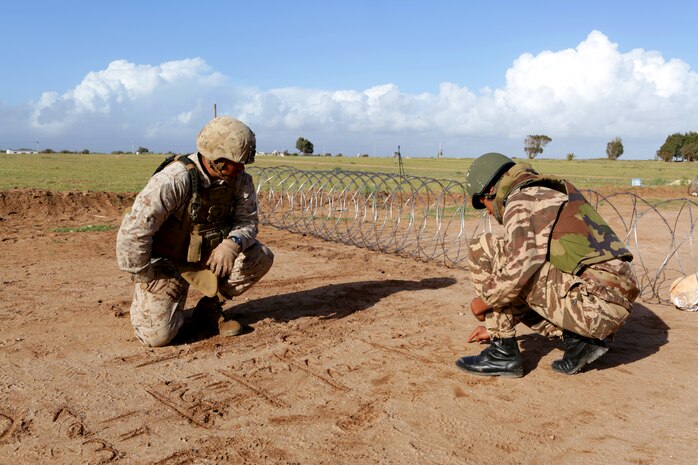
pixel 351 76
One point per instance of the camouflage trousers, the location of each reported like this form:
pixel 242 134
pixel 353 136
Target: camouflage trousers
pixel 553 300
pixel 157 310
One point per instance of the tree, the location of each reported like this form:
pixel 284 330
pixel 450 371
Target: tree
pixel 304 145
pixel 680 147
pixel 614 149
pixel 671 148
pixel 533 145
pixel 689 151
pixel 142 150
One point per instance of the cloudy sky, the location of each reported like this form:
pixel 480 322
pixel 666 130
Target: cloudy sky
pixel 351 76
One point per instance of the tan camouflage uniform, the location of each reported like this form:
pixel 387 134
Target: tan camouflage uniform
pixel 512 275
pixel 157 308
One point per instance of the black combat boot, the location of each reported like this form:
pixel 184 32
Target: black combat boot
pixel 501 358
pixel 579 351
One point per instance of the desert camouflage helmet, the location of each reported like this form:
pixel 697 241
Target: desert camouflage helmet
pixel 227 138
pixel 485 171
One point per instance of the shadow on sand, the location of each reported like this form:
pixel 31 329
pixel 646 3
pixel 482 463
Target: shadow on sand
pixel 324 302
pixel 641 336
pixel 330 301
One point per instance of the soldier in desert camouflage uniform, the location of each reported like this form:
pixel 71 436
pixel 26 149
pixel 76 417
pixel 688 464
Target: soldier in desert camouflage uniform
pixel 194 223
pixel 559 269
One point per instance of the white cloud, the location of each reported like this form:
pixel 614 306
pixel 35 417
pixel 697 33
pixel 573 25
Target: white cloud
pixel 593 92
pixel 127 102
pixel 595 89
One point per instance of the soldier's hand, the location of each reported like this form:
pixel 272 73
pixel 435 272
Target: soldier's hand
pixel 172 287
pixel 222 258
pixel 480 335
pixel 479 308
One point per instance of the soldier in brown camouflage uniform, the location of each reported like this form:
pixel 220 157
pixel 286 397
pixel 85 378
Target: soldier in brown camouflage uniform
pixel 559 269
pixel 194 223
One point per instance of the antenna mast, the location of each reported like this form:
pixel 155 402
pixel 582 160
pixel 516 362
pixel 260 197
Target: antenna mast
pixel 400 168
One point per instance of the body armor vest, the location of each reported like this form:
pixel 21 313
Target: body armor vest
pixel 190 234
pixel 580 237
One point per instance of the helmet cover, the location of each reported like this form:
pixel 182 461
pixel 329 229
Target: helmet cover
pixel 227 138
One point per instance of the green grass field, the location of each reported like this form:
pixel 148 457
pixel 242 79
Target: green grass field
pixel 128 173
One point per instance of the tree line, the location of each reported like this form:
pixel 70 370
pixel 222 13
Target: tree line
pixel 677 147
pixel 680 147
pixel 534 144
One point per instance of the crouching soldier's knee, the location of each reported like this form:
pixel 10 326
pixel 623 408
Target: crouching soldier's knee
pixel 156 317
pixel 158 338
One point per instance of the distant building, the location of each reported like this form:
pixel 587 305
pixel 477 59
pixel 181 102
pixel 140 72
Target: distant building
pixel 10 151
pixel 275 153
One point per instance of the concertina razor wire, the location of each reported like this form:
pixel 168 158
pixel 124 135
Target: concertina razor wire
pixel 431 220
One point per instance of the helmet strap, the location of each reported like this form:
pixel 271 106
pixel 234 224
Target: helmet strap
pixel 511 179
pixel 215 167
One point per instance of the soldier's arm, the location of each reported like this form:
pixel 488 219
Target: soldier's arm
pixel 528 221
pixel 163 195
pixel 245 218
pixel 479 308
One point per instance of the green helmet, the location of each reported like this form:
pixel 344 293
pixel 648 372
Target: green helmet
pixel 483 173
pixel 227 138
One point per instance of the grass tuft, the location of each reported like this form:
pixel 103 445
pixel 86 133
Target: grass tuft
pixel 86 228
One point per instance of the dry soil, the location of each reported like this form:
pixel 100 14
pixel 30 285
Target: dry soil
pixel 349 359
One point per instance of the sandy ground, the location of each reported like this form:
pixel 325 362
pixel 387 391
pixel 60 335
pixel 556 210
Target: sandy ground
pixel 349 360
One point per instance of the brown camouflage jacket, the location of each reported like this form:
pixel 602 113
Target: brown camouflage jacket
pixel 528 220
pixel 548 219
pixel 167 193
pixel 581 237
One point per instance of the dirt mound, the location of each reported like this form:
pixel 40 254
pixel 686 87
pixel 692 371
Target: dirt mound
pixel 85 205
pixel 35 203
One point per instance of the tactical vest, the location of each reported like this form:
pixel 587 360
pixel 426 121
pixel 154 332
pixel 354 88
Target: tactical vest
pixel 192 233
pixel 580 237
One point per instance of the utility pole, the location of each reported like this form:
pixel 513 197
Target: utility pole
pixel 214 110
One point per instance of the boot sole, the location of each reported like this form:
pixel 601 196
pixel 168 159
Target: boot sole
pixel 501 374
pixel 590 358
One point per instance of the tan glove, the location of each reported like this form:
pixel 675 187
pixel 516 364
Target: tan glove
pixel 172 287
pixel 222 258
